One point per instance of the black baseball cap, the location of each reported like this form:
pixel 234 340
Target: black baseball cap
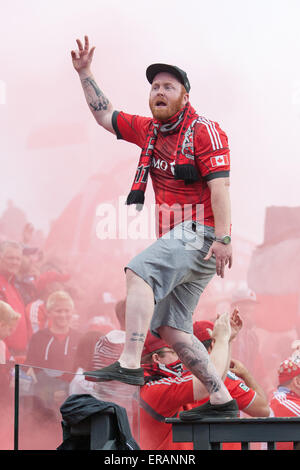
pixel 181 75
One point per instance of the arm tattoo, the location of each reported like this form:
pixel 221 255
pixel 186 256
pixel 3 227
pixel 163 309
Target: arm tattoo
pixel 95 97
pixel 195 358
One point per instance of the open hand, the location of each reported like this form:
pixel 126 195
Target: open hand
pixel 237 368
pixel 236 323
pixel 223 255
pixel 222 327
pixel 82 58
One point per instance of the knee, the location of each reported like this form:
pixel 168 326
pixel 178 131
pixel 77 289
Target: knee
pixel 168 334
pixel 133 280
pixel 131 276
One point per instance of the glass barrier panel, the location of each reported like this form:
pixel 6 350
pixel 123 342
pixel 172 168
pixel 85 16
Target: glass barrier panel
pixel 7 406
pixel 43 391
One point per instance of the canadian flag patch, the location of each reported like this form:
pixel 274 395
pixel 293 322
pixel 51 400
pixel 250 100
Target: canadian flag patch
pixel 220 160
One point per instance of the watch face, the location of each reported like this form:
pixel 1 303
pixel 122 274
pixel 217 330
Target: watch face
pixel 226 239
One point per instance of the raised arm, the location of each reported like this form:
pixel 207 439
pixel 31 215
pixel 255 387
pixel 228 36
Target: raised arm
pixel 220 352
pixel 99 105
pixel 219 356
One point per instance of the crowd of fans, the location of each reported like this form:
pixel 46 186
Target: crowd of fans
pixel 41 329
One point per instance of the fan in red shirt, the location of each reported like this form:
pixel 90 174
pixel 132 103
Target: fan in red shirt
pixel 169 390
pixel 240 383
pixel 36 312
pixel 10 262
pixel 285 401
pixel 187 157
pixel 169 387
pixel 8 323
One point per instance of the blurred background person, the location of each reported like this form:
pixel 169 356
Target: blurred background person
pixel 8 323
pixel 110 346
pixel 247 347
pixel 36 312
pixel 169 387
pixel 108 350
pixel 295 346
pixel 285 401
pixel 10 262
pixel 84 361
pixel 51 350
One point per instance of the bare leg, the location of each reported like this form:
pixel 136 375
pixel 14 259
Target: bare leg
pixel 194 356
pixel 139 311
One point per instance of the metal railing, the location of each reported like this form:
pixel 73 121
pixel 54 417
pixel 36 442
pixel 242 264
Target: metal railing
pixel 209 434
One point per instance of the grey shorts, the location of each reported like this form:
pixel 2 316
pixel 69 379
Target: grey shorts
pixel 174 268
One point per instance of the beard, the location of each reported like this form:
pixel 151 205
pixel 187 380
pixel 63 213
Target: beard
pixel 163 113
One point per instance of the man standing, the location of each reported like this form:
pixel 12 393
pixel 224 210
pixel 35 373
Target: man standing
pixel 187 157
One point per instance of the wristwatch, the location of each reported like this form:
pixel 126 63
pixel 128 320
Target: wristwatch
pixel 225 240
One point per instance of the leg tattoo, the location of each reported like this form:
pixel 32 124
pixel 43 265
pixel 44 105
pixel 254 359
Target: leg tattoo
pixel 196 359
pixel 138 337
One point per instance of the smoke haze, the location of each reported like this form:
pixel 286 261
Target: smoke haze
pixel 58 165
pixel 241 61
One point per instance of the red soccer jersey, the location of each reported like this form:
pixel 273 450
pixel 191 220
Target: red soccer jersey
pixel 237 389
pixel 162 399
pixel 285 404
pixel 167 397
pixel 212 159
pixel 239 392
